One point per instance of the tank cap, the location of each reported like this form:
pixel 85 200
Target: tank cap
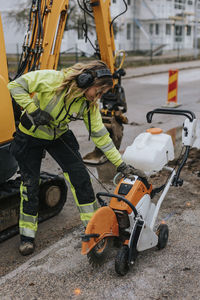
pixel 154 130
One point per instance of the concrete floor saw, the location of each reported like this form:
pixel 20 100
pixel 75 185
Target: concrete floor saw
pixel 130 217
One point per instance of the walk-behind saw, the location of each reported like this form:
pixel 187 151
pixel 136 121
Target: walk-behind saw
pixel 130 217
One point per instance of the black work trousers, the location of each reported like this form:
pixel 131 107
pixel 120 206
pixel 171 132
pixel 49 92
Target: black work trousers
pixel 28 151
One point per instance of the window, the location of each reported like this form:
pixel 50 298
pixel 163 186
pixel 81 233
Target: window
pixel 188 30
pixel 168 29
pixel 179 4
pixel 178 33
pixel 151 29
pixel 114 1
pixel 190 2
pixel 128 31
pixel 157 29
pixel 129 2
pixel 178 30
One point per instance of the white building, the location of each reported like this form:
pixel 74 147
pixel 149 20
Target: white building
pixel 149 25
pixel 167 23
pixel 146 25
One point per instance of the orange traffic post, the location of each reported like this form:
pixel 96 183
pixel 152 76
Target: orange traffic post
pixel 172 89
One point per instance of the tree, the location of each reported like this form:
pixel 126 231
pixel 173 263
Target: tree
pixel 20 15
pixel 76 18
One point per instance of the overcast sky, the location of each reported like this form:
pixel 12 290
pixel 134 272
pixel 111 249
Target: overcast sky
pixel 12 35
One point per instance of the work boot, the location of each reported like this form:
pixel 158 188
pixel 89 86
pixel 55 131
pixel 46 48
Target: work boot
pixel 26 246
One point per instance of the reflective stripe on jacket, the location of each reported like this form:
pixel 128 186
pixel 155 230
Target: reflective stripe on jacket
pixel 43 84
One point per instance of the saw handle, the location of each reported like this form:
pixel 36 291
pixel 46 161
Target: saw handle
pixel 169 111
pixel 120 198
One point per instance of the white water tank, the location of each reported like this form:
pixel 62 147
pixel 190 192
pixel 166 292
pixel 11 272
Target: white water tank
pixel 150 151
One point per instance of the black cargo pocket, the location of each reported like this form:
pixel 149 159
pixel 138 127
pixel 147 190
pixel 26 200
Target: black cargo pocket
pixel 19 146
pixel 70 139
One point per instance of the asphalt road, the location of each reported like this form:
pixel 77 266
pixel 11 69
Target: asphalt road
pixel 58 270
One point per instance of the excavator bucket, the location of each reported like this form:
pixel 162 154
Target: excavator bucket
pixel 97 157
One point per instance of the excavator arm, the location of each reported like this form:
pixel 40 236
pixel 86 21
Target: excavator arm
pixel 105 35
pixel 114 102
pixel 42 41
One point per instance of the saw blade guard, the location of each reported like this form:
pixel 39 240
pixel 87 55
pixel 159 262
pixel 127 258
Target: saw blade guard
pixel 102 224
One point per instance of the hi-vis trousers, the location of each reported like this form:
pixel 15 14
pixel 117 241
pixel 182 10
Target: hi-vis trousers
pixel 28 151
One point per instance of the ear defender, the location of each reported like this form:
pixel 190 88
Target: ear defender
pixel 86 79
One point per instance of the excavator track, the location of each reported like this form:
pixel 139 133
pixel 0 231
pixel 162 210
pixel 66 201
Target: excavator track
pixel 52 197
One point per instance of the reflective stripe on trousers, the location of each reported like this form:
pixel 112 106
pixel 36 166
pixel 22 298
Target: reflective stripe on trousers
pixel 86 210
pixel 27 223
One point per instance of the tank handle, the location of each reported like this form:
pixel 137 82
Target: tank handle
pixel 170 111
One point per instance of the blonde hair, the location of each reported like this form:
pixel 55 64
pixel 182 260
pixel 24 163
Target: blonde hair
pixel 71 86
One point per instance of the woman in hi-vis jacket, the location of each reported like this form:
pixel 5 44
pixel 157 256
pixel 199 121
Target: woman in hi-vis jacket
pixel 50 100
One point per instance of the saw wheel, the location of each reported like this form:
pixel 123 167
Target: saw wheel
pixel 98 254
pixel 163 234
pixel 121 261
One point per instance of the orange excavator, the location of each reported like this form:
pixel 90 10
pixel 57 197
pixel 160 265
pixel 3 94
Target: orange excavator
pixel 40 50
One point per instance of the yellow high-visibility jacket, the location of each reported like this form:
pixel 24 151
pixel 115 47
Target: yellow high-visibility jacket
pixel 44 84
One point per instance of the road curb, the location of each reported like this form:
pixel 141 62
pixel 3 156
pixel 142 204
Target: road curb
pixel 159 72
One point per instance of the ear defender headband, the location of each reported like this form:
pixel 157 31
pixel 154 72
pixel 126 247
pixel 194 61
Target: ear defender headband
pixel 86 79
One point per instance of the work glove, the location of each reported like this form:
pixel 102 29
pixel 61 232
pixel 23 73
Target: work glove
pixel 40 117
pixel 129 172
pixel 37 118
